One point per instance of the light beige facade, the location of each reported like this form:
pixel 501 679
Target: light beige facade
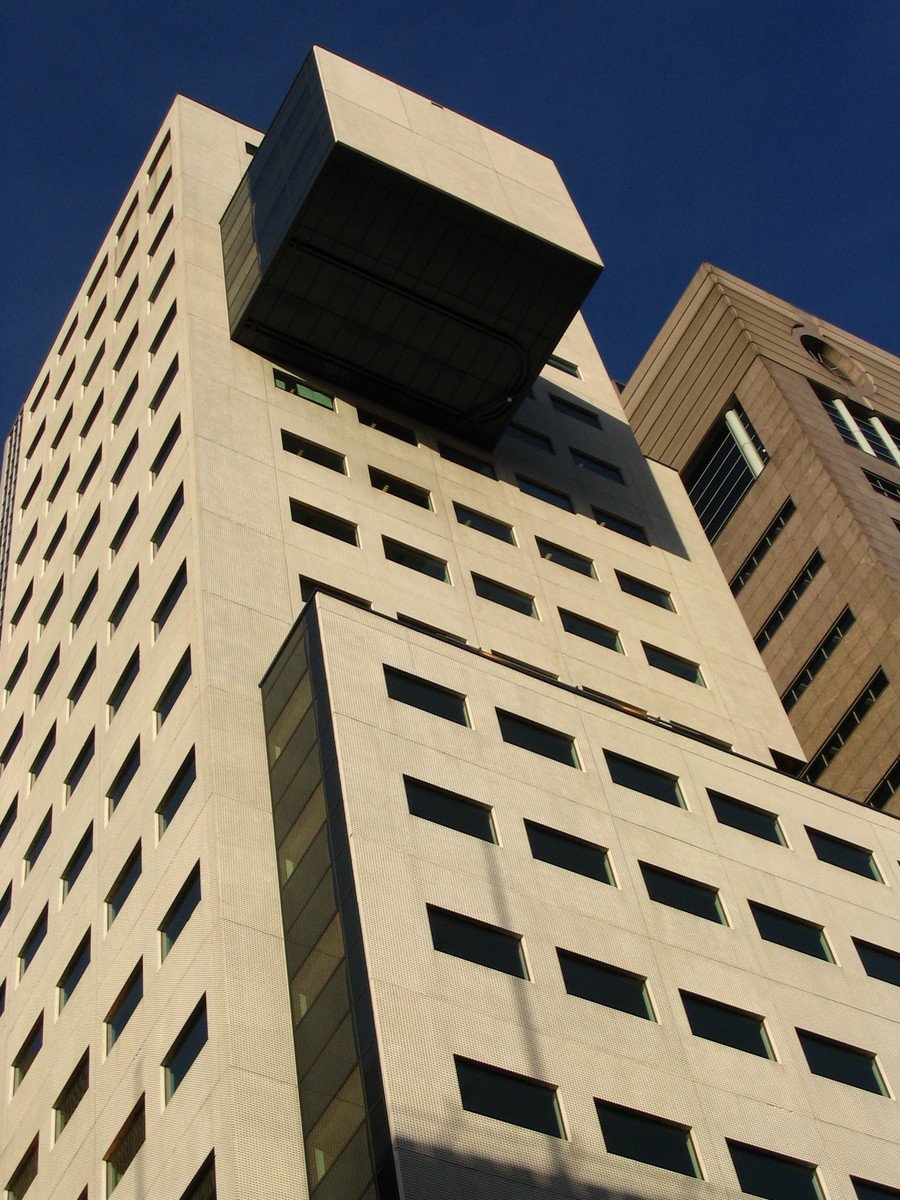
pixel 145 375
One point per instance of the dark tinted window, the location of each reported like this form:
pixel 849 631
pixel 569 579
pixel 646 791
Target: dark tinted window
pixel 415 560
pixel 844 854
pixel 539 739
pixel 401 488
pixel 507 1097
pixel 500 593
pixel 323 455
pixel 590 630
pixel 78 861
pixel 674 664
pixel 447 808
pixel 725 1024
pixel 605 985
pixel 747 817
pixel 124 776
pixel 484 524
pixel 185 1049
pixel 874 1191
pixel 463 459
pixel 761 1173
pixel 587 462
pixel 541 491
pixel 879 962
pixel 124 885
pixel 847 1064
pixel 430 697
pixel 677 891
pixel 570 853
pixel 384 425
pixel 629 529
pixel 647 1139
pixel 180 911
pixel 575 411
pixel 645 591
pixel 78 964
pixel 790 931
pixel 324 522
pixel 484 944
pixel 566 558
pixel 629 773
pixel 176 791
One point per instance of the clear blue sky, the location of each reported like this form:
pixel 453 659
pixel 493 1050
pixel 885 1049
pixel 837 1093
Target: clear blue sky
pixel 763 136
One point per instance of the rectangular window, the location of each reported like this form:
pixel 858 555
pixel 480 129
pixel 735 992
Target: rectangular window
pixel 124 683
pixel 162 279
pixel 617 524
pixel 314 452
pixel 124 776
pixel 401 488
pixel 124 1006
pixel 501 593
pixel 677 891
pixel 762 547
pixel 887 786
pixel 30 494
pixel 449 809
pixel 24 1175
pixel 185 1050
pixel 324 522
pixel 26 546
pixel 89 474
pixel 590 630
pixel 878 962
pixel 95 282
pixel 571 853
pixel 645 591
pixel 29 453
pixel 747 817
pixel 820 762
pixel 287 383
pixel 566 558
pixel 79 766
pixel 43 755
pixel 20 608
pixel 46 676
pixel 129 296
pixel 463 458
pixel 58 482
pixel 846 855
pixel 84 541
pixel 638 777
pixel 168 519
pixel 606 985
pixel 180 911
pixel 794 932
pixel 28 1052
pixel 33 942
pixel 531 437
pixel 789 600
pixel 176 792
pixel 673 664
pixel 484 524
pixel 170 599
pixel 124 885
pixel 162 455
pixel 118 539
pixel 53 544
pixel 125 1147
pixel 122 605
pixel 563 364
pixel 10 748
pixel 6 903
pixel 539 739
pixel 818 658
pixel 596 466
pixel 491 1092
pixel 91 418
pixel 575 411
pixel 166 323
pixel 384 425
pixel 477 942
pixel 203 1185
pixel 873 1191
pixel 63 426
pixel 124 405
pixel 415 559
pixel 38 842
pixel 173 688
pixel 846 1064
pixel 429 697
pixel 762 1173
pixel 155 245
pixel 78 861
pixel 885 487
pixel 50 607
pixel 83 678
pixel 67 338
pixel 127 347
pixel 164 386
pixel 90 593
pixel 647 1139
pixel 72 975
pixel 725 1024
pixel 9 819
pixel 95 363
pixel 542 491
pixel 163 184
pixel 724 468
pixel 72 1094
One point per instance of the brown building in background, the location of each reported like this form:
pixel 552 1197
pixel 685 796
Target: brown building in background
pixel 786 432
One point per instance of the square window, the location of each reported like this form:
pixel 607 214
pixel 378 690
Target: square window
pixel 492 1092
pixel 846 1064
pixel 570 853
pixel 846 855
pixel 747 817
pixel 180 911
pixel 429 697
pixel 484 524
pixel 500 593
pixel 566 558
pixel 606 985
pixel 75 969
pixel 449 809
pixel 124 1006
pixel 185 1050
pixel 539 739
pixel 591 631
pixel 415 560
pixel 727 1025
pixel 677 891
pixel 648 1139
pixel 477 942
pixel 793 932
pixel 773 1176
pixel 638 777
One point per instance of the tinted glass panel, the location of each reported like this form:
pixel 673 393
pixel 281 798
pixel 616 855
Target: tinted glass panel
pixel 511 1098
pixel 123 1009
pixel 640 778
pixel 463 459
pixel 479 943
pixel 645 591
pixel 539 739
pixel 565 558
pixel 730 1026
pixel 879 962
pixel 847 1064
pixel 447 808
pixel 384 425
pixel 324 522
pixel 793 932
pixel 187 1047
pixel 874 1191
pixel 570 853
pixel 484 524
pixel 677 891
pixel 416 560
pixel 629 529
pixel 430 697
pixel 587 462
pixel 674 664
pixel 541 491
pixel 575 411
pixel 402 488
pixel 647 1139
pixel 124 885
pixel 843 854
pixel 743 816
pixel 176 792
pixel 591 631
pixel 322 455
pixel 78 861
pixel 181 911
pixel 761 1173
pixel 79 963
pixel 499 593
pixel 605 985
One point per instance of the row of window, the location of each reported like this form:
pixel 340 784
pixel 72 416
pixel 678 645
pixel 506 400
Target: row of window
pixel 533 1104
pixel 531 487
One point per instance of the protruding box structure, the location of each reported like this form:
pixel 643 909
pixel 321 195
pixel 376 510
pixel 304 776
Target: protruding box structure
pixel 403 251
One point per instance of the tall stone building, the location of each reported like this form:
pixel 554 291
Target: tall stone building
pixel 786 432
pixel 389 802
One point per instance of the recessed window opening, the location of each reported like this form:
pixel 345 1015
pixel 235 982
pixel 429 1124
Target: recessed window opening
pixel 127 595
pixel 91 418
pixel 125 462
pixel 401 488
pixel 185 1050
pixel 501 593
pixel 43 754
pixel 124 885
pixel 724 468
pixel 605 984
pixel 124 1149
pixel 29 495
pixel 427 696
pixel 165 449
pixel 789 600
pixel 384 425
pixel 85 602
pixel 124 776
pixel 161 280
pixel 126 301
pixel 543 491
pixel 53 544
pixel 774 1176
pixel 125 403
pixel 596 466
pixel 477 942
pixel 678 891
pixel 321 521
pixel 165 326
pixel 449 809
pixel 539 739
pixel 530 437
pixel 295 387
pixel 885 487
pixel 563 364
pixel 38 842
pixel 173 508
pixel 72 1094
pixel 463 458
pixel 157 195
pixel 846 855
pixel 313 452
pixel 415 559
pixel 26 546
pixel 180 912
pixel 78 861
pixel 28 1052
pixel 566 558
pixel 164 225
pixel 747 817
pixel 33 942
pixel 16 673
pixel 645 591
pixel 24 1175
pixel 125 526
pixel 173 689
pixel 846 1064
pixel 172 594
pixel 575 411
pixel 570 853
pixel 515 1099
pixel 727 1025
pixel 127 347
pixel 124 1006
pixel 58 482
pixel 648 1139
pixel 163 389
pixel 50 607
pixel 818 658
pixel 176 793
pixel 674 664
pixel 40 688
pixel 79 767
pixel 794 932
pixel 75 970
pixel 622 525
pixel 68 337
pixel 484 524
pixel 886 788
pixel 639 777
pixel 88 477
pixel 860 707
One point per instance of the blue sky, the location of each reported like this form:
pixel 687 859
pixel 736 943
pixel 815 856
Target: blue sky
pixel 761 136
